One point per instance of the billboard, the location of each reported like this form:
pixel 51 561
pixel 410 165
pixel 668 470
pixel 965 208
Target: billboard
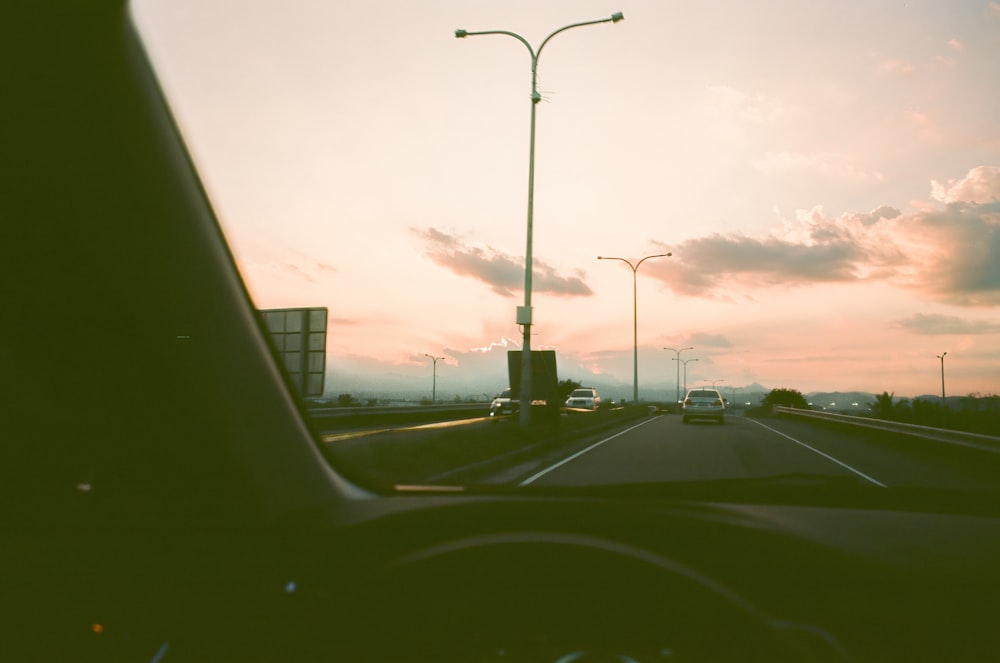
pixel 544 380
pixel 299 335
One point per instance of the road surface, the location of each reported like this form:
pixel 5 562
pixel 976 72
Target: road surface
pixel 662 449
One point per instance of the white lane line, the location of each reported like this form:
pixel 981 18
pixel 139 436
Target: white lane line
pixel 539 475
pixel 824 455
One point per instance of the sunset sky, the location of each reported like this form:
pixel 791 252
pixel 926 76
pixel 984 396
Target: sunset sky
pixel 826 174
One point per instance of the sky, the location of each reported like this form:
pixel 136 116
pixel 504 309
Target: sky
pixel 826 176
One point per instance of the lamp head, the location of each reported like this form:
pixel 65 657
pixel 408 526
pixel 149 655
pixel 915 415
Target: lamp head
pixel 460 34
pixel 617 16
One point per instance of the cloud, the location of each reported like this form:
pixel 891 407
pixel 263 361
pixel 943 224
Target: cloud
pixel 994 8
pixel 702 339
pixel 937 325
pixel 956 45
pixel 503 273
pixel 949 254
pixel 504 344
pixel 981 185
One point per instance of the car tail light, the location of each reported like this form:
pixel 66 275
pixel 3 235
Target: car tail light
pixel 687 401
pixel 717 403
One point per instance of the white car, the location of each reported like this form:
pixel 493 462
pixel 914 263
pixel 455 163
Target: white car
pixel 703 404
pixel 502 404
pixel 584 398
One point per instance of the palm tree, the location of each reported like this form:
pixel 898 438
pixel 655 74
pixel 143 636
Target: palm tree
pixel 882 407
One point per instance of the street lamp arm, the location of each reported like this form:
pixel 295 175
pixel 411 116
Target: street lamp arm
pixel 627 262
pixel 658 255
pixel 617 16
pixel 462 34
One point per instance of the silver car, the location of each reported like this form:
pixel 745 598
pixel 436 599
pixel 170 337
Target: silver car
pixel 584 398
pixel 705 404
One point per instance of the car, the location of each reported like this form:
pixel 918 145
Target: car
pixel 503 405
pixel 167 495
pixel 703 403
pixel 584 398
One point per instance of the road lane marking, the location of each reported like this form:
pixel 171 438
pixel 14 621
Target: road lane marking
pixel 340 437
pixel 539 475
pixel 824 455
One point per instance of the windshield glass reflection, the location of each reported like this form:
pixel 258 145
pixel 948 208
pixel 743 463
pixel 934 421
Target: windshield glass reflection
pixel 807 200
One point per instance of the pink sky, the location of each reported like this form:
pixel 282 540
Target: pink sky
pixel 827 176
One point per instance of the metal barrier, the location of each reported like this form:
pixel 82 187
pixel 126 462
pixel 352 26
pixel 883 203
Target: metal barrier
pixel 987 443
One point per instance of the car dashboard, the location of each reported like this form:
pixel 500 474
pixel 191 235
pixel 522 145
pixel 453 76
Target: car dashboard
pixel 439 577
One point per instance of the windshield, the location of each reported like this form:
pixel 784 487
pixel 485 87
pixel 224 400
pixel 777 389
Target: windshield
pixel 792 207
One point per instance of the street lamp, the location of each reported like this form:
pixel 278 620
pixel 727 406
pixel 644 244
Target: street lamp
pixel 941 357
pixel 678 360
pixel 635 319
pixel 434 360
pixel 524 312
pixel 685 362
pixel 714 381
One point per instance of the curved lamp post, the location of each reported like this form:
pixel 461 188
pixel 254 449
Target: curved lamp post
pixel 678 360
pixel 434 383
pixel 944 411
pixel 635 319
pixel 685 362
pixel 524 312
pixel 941 357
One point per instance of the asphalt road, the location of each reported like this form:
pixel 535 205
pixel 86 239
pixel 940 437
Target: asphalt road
pixel 662 449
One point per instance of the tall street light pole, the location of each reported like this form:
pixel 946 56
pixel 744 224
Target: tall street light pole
pixel 685 362
pixel 714 381
pixel 635 319
pixel 678 360
pixel 524 317
pixel 434 383
pixel 941 357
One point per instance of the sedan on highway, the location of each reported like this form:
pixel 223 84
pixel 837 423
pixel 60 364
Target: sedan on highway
pixel 703 404
pixel 503 404
pixel 584 398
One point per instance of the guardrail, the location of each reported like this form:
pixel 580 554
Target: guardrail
pixel 354 410
pixel 988 443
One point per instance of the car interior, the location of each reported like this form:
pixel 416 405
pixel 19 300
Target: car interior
pixel 165 498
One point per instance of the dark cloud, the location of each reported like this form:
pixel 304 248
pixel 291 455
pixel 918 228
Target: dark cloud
pixel 964 267
pixel 503 273
pixel 950 254
pixel 878 214
pixel 705 265
pixel 936 325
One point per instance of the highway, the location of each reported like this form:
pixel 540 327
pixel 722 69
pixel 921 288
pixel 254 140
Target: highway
pixel 662 449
